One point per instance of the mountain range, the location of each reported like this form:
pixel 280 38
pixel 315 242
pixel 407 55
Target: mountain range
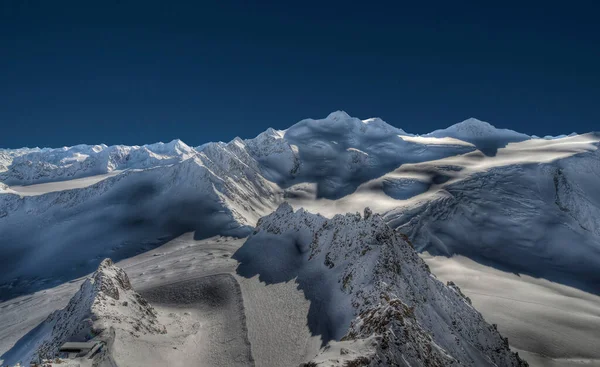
pixel 514 202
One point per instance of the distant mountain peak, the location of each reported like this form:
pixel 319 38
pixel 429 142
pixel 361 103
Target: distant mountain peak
pixel 338 115
pixel 472 121
pixel 473 127
pixel 485 136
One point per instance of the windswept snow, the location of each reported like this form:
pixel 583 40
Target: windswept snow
pixel 214 305
pixel 445 171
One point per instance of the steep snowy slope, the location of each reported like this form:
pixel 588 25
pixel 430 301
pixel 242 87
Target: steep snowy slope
pixel 521 204
pixel 549 324
pixel 105 304
pixel 370 289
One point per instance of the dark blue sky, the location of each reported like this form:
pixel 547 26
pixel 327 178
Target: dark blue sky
pixel 139 72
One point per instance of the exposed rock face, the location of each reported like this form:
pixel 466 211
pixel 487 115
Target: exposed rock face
pixel 372 286
pixel 368 213
pixel 400 337
pixel 104 303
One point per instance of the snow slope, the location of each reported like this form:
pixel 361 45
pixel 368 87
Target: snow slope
pixel 168 189
pixel 364 278
pixel 339 153
pixel 44 188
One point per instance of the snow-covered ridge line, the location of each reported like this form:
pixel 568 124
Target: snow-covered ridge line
pixel 363 280
pixel 30 166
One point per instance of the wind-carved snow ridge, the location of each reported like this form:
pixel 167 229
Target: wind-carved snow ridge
pixel 104 305
pixel 370 291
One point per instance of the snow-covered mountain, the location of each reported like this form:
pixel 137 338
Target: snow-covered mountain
pixel 368 287
pixel 105 304
pixel 26 167
pixel 331 165
pixel 518 203
pixel 166 189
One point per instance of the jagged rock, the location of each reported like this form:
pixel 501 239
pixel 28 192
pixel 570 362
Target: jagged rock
pixel 368 213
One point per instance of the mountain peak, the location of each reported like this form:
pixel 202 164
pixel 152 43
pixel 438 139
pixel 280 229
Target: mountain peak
pixel 475 121
pixel 174 146
pixel 105 264
pixel 473 127
pixel 106 301
pixel 338 115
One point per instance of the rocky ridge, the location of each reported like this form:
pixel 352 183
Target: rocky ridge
pixel 378 286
